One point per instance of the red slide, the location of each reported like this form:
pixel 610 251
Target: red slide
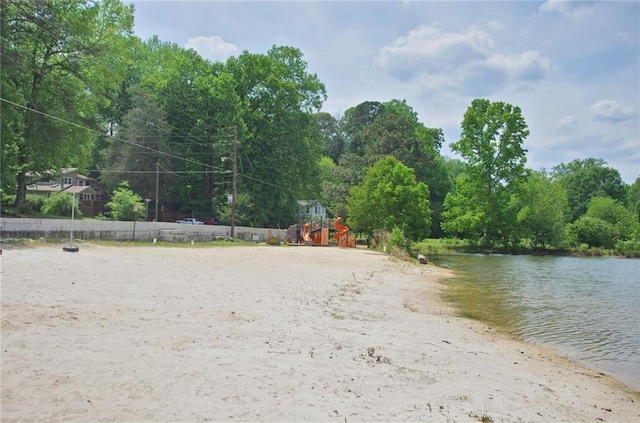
pixel 306 232
pixel 342 229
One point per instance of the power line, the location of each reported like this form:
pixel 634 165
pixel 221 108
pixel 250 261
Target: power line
pixel 113 137
pixel 175 117
pixel 221 170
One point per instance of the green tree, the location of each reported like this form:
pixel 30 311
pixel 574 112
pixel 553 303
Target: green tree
pixel 61 57
pixel 142 142
pixel 123 200
pixel 348 173
pixel 591 231
pixel 614 213
pixel 543 210
pixel 633 198
pixel 390 197
pixel 333 140
pixel 282 144
pixel 373 130
pixel 491 142
pixel 586 179
pixel 461 216
pixel 61 204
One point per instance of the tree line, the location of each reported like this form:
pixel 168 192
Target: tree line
pixel 80 90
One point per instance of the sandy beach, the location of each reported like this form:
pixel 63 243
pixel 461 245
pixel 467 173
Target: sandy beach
pixel 267 333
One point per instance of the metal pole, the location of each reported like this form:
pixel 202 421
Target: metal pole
pixel 233 188
pixel 157 184
pixel 73 210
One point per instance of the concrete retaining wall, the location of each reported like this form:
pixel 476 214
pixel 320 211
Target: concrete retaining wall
pixel 124 231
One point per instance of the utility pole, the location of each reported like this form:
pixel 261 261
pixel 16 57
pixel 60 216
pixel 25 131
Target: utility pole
pixel 209 174
pixel 157 185
pixel 235 175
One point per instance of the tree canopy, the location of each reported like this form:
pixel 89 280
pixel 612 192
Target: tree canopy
pixel 59 60
pixel 79 90
pixel 390 197
pixel 586 179
pixel 491 143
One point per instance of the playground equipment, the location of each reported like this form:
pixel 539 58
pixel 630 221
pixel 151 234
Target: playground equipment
pixel 342 235
pixel 317 233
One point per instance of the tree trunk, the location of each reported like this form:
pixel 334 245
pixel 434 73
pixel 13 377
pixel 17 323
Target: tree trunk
pixel 21 195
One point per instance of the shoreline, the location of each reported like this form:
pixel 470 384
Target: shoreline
pixel 620 368
pixel 267 333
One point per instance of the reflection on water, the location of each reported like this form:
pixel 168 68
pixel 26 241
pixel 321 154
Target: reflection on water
pixel 587 308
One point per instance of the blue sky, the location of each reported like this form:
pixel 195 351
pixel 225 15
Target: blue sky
pixel 572 67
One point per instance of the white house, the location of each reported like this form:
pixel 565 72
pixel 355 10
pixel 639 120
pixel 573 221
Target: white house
pixel 311 210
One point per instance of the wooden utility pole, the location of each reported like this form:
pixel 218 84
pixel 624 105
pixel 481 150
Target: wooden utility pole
pixel 233 187
pixel 157 185
pixel 209 174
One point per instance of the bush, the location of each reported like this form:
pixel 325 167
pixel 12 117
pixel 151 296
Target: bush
pixel 8 200
pixel 35 202
pixel 591 231
pixel 123 200
pixel 60 204
pixel 397 239
pixel 629 247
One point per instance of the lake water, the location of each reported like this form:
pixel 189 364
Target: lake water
pixel 587 309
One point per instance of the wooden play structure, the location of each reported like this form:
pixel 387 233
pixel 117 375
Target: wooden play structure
pixel 317 233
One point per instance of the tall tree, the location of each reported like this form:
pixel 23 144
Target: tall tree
pixel 615 213
pixel 201 106
pixel 543 210
pixel 491 142
pixel 333 143
pixel 63 56
pixel 373 130
pixel 390 197
pixel 633 198
pixel 282 144
pixel 142 142
pixel 586 179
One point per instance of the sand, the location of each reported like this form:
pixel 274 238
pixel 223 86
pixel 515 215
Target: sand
pixel 267 333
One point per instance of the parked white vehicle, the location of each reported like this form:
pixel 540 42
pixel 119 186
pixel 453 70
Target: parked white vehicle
pixel 190 221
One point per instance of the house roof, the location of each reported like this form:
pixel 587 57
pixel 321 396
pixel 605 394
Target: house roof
pixel 309 203
pixel 45 187
pixel 81 190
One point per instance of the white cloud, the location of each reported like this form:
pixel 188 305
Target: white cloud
pixel 569 8
pixel 525 66
pixel 434 60
pixel 612 111
pixel 566 124
pixel 428 49
pixel 213 48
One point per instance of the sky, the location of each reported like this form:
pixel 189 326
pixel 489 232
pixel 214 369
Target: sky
pixel 572 67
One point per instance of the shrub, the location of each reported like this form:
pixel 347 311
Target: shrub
pixel 60 204
pixel 123 200
pixel 8 200
pixel 35 202
pixel 592 231
pixel 397 239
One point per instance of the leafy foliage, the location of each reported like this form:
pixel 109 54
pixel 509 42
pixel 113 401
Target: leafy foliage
pixel 123 200
pixel 390 197
pixel 461 216
pixel 61 57
pixel 614 213
pixel 61 204
pixel 491 142
pixel 586 179
pixel 633 198
pixel 543 210
pixel 591 231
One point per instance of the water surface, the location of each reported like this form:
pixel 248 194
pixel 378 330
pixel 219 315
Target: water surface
pixel 586 308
